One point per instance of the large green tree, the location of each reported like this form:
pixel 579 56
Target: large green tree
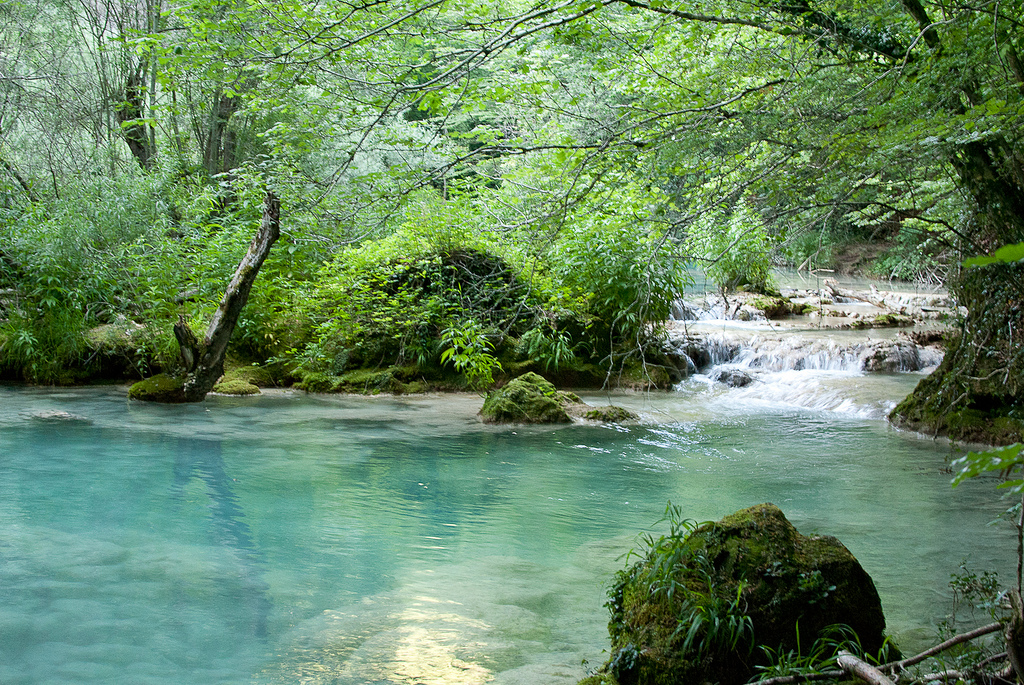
pixel 762 120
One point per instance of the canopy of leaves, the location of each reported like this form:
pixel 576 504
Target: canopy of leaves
pixel 593 146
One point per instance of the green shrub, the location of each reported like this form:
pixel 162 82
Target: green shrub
pixel 735 248
pixel 430 294
pixel 620 283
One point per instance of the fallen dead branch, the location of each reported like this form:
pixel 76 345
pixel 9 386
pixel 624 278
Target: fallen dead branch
pixel 862 669
pixel 897 666
pixel 893 667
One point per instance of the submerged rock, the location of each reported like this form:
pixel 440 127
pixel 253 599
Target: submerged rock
pixel 701 602
pixel 734 378
pixel 57 416
pixel 528 399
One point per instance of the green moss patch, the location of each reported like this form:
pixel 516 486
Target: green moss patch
pixel 773 307
pixel 159 388
pixel 884 321
pixel 236 387
pixel 396 380
pixel 528 399
pixel 253 374
pixel 610 414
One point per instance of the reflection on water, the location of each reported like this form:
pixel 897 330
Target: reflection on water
pixel 202 460
pixel 302 539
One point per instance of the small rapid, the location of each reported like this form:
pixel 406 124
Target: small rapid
pixel 812 370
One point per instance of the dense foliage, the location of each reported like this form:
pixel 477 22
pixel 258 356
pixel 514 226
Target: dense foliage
pixel 560 162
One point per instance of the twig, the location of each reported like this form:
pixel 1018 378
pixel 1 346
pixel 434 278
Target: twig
pixel 951 642
pixel 942 675
pixel 1001 656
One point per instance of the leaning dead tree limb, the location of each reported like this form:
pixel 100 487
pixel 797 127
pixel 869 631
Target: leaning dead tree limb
pixel 204 362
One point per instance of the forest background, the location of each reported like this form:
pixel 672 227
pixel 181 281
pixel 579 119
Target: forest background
pixel 470 190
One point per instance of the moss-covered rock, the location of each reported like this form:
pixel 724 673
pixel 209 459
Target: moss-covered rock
pixel 117 351
pixel 236 387
pixel 977 393
pixel 645 375
pixel 253 374
pixel 773 307
pixel 698 604
pixel 527 399
pixel 887 320
pixel 610 414
pixel 317 381
pixel 159 388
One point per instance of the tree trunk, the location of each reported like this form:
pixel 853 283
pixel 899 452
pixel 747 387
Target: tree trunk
pixel 977 392
pixel 13 171
pixel 209 358
pixel 204 362
pixel 218 155
pixel 988 177
pixel 137 134
pixel 1015 634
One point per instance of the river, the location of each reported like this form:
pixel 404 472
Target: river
pixel 293 538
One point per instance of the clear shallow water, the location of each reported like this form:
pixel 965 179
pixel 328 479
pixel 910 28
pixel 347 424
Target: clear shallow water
pixel 301 539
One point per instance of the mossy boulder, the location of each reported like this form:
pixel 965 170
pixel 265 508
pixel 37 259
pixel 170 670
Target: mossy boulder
pixel 528 399
pixel 236 387
pixel 117 350
pixel 610 414
pixel 977 393
pixel 701 602
pixel 159 388
pixel 397 380
pixel 773 307
pixel 254 374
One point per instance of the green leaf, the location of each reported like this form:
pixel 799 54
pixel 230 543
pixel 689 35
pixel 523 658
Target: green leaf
pixel 1007 254
pixel 1003 459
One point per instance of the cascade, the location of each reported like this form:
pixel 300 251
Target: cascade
pixel 801 369
pixel 728 352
